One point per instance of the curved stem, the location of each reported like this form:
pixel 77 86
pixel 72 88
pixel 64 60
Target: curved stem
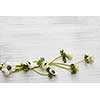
pixel 17 70
pixel 61 66
pixel 79 62
pixel 43 74
pixel 54 59
pixel 36 67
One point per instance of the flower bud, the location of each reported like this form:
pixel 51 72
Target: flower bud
pixel 88 59
pixel 69 56
pixel 73 68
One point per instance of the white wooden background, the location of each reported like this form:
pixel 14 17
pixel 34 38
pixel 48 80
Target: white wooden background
pixel 23 38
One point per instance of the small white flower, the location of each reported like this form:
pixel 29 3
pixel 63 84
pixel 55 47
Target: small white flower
pixel 7 69
pixel 88 59
pixel 44 65
pixel 52 71
pixel 31 64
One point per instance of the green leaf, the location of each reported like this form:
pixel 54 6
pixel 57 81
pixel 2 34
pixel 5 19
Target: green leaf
pixel 40 61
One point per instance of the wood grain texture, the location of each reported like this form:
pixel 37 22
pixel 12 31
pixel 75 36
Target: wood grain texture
pixel 23 38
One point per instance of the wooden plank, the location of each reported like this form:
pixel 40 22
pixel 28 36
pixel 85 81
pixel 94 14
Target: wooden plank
pixel 23 38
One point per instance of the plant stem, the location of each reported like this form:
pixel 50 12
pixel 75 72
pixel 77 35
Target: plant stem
pixel 61 66
pixel 79 62
pixel 54 60
pixel 17 70
pixel 36 67
pixel 43 74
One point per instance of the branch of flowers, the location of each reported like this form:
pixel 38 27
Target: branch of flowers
pixel 35 67
pixel 19 68
pixel 9 69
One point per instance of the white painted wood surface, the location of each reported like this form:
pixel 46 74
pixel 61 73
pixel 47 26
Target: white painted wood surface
pixel 23 38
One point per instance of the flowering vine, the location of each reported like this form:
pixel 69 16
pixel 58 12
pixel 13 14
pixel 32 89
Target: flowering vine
pixel 41 63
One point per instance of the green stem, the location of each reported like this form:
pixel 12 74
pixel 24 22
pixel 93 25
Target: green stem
pixel 61 66
pixel 54 59
pixel 43 74
pixel 17 70
pixel 79 62
pixel 36 67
